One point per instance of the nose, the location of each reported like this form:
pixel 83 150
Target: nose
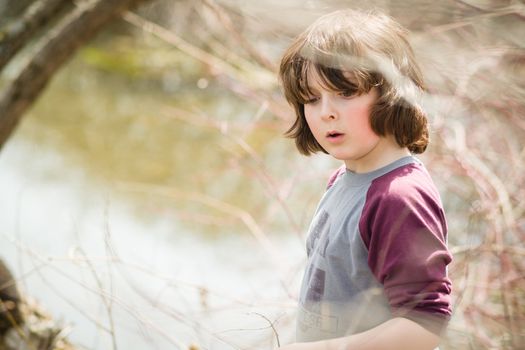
pixel 328 110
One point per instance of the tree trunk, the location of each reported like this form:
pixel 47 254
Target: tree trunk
pixel 9 300
pixel 18 32
pixel 51 51
pixel 10 9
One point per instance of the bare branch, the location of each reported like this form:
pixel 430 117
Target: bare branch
pixel 226 21
pixel 18 33
pixel 51 52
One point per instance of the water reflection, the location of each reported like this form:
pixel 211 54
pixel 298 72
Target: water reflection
pixel 81 251
pixel 120 129
pixel 162 215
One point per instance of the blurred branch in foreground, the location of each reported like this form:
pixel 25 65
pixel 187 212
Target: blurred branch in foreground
pixel 247 79
pixel 52 50
pixel 18 33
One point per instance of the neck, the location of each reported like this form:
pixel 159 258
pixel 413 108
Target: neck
pixel 385 152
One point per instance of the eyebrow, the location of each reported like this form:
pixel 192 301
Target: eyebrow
pixel 331 86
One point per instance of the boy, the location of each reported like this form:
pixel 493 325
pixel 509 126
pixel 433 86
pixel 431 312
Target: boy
pixel 376 275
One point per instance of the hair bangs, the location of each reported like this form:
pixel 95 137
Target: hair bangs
pixel 337 68
pixel 356 81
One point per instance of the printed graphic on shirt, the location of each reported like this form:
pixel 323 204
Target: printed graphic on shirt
pixel 317 242
pixel 311 315
pixel 316 289
pixel 319 238
pixel 308 320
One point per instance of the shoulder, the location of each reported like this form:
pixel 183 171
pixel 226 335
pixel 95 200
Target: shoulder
pixel 405 184
pixel 335 175
pixel 403 198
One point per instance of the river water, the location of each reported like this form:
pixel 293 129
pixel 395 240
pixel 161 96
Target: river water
pixel 126 266
pixel 83 254
pixel 139 226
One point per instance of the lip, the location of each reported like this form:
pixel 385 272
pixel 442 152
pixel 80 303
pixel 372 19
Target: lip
pixel 334 136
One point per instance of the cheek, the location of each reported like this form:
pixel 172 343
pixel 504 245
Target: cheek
pixel 312 122
pixel 359 122
pixel 367 137
pixel 308 112
pixel 359 119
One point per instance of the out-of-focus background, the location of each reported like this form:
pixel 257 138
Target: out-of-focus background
pixel 148 198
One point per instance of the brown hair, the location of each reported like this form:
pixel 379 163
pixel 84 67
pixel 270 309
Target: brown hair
pixel 356 51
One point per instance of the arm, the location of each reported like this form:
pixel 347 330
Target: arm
pixel 404 228
pixel 397 333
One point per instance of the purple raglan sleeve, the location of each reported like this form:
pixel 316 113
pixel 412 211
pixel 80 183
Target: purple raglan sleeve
pixel 335 175
pixel 404 228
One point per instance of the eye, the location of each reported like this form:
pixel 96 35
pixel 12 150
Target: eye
pixel 348 93
pixel 311 99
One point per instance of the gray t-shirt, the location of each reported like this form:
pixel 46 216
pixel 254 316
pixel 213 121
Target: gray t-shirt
pixel 376 249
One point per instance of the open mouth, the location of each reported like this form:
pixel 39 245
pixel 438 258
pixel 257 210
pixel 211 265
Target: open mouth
pixel 333 134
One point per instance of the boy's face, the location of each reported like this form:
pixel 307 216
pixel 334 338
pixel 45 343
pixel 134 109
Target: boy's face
pixel 340 122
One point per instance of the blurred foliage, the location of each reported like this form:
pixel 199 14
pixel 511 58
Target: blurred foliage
pixel 129 110
pixel 139 113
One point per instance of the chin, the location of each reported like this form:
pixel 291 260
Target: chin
pixel 344 157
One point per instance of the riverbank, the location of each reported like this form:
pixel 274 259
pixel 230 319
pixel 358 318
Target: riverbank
pixel 38 330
